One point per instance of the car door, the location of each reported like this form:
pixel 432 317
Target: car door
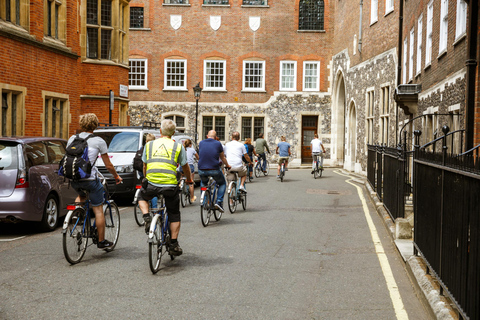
pixel 38 174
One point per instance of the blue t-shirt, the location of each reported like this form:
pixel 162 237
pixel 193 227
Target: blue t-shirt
pixel 283 149
pixel 209 151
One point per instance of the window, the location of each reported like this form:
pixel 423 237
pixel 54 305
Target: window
pixel 410 65
pixel 311 76
pixel 419 44
pixel 179 121
pixel 122 33
pixel 99 29
pixel 405 56
pixel 137 77
pixel 12 110
pixel 442 46
pixel 176 1
pixel 214 75
pixel 14 11
pixel 369 116
pixel 388 6
pixel 252 127
pixel 461 27
pixel 311 15
pixel 288 75
pixel 254 75
pixel 215 2
pixel 55 117
pixel 52 17
pixel 384 115
pixel 374 11
pixel 428 48
pixel 216 123
pixel 431 128
pixel 254 2
pixel 453 141
pixel 136 17
pixel 175 75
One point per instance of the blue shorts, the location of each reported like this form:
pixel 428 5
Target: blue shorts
pixel 192 168
pixel 94 187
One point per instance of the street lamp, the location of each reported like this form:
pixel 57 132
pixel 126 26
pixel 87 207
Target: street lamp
pixel 197 90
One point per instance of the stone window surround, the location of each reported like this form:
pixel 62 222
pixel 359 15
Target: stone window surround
pixel 385 113
pixel 21 92
pixel 224 87
pixel 180 88
pixel 405 56
pixel 252 116
pixel 66 113
pixel 390 9
pixel 213 114
pixel 369 114
pixel 294 79
pixel 318 75
pixel 443 32
pixel 262 88
pixel 24 14
pixel 461 21
pixel 174 114
pixel 145 87
pixel 373 12
pixel 62 20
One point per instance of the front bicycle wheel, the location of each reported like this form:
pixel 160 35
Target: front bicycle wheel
pixel 282 173
pixel 183 195
pixel 155 246
pixel 205 208
pixel 74 237
pixel 112 224
pixel 257 170
pixel 244 201
pixel 137 213
pixel 232 198
pixel 267 169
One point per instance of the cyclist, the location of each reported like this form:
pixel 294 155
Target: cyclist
pixel 96 145
pixel 210 151
pixel 235 151
pixel 251 151
pixel 138 164
pixel 260 147
pixel 192 155
pixel 317 150
pixel 283 150
pixel 160 158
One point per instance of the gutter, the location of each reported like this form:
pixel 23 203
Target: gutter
pixel 471 65
pixel 360 28
pixel 399 60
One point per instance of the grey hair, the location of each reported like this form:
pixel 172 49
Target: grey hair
pixel 168 127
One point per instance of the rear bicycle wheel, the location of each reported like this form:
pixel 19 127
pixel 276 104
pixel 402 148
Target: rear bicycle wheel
pixel 205 208
pixel 267 169
pixel 282 173
pixel 217 213
pixel 320 172
pixel 137 213
pixel 155 246
pixel 232 199
pixel 112 224
pixel 74 237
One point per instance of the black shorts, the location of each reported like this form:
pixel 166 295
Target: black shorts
pixel 170 194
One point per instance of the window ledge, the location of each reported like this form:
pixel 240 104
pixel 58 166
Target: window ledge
pixel 176 4
pixel 460 38
pixel 373 22
pixel 214 90
pixel 255 6
pixel 49 41
pixel 311 31
pixel 175 89
pixel 137 88
pixel 216 5
pixel 388 12
pixel 253 91
pixel 441 54
pixel 418 74
pixel 105 62
pixel 287 90
pixel 140 29
pixel 13 28
pixel 427 66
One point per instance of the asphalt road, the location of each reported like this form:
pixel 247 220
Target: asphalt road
pixel 303 249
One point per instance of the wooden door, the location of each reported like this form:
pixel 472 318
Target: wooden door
pixel 309 129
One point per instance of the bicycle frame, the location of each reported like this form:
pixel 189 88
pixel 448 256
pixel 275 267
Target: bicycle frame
pixel 160 214
pixel 213 187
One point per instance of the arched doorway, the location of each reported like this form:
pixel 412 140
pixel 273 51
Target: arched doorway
pixel 351 141
pixel 338 121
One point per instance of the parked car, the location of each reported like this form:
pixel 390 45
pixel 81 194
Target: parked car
pixel 30 188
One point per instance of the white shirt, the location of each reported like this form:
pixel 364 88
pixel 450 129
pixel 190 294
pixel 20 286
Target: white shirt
pixel 96 146
pixel 316 145
pixel 234 151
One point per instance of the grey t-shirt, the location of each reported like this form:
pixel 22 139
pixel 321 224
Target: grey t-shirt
pixel 261 145
pixel 96 146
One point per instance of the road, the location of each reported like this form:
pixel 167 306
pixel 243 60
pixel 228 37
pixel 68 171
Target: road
pixel 303 249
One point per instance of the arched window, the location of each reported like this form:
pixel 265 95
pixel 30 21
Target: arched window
pixel 311 15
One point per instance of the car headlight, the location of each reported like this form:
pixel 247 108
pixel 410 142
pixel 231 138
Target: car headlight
pixel 124 169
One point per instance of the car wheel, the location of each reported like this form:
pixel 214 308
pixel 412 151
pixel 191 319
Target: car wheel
pixel 50 214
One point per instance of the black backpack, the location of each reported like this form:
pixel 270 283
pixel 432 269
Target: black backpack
pixel 75 164
pixel 137 160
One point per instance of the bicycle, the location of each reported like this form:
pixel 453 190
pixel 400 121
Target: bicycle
pixel 79 226
pixel 318 169
pixel 184 192
pixel 158 236
pixel 258 167
pixel 282 170
pixel 137 213
pixel 235 195
pixel 208 198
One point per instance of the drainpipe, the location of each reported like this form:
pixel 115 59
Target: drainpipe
pixel 360 28
pixel 471 64
pixel 399 66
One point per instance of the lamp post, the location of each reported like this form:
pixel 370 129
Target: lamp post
pixel 197 90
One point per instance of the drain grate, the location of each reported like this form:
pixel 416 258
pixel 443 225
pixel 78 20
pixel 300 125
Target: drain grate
pixel 325 191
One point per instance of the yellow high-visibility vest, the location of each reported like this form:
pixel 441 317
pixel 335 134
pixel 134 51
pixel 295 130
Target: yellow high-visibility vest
pixel 162 158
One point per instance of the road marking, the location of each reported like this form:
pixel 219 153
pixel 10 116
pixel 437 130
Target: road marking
pixel 400 311
pixel 13 239
pixel 123 208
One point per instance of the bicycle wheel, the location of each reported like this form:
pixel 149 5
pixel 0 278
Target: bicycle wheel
pixel 183 195
pixel 243 198
pixel 217 213
pixel 155 246
pixel 112 224
pixel 232 198
pixel 137 213
pixel 74 237
pixel 282 173
pixel 205 208
pixel 257 170
pixel 188 195
pixel 267 169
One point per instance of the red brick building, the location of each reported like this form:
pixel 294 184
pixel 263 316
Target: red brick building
pixel 60 59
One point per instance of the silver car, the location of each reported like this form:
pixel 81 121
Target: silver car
pixel 30 188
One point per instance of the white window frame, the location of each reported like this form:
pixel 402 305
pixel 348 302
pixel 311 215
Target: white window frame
pixel 461 22
pixel 224 76
pixel 429 35
pixel 140 87
pixel 262 88
pixel 317 87
pixel 419 44
pixel 405 56
pixel 388 6
pixel 412 54
pixel 443 36
pixel 294 75
pixel 374 12
pixel 385 115
pixel 370 115
pixel 184 87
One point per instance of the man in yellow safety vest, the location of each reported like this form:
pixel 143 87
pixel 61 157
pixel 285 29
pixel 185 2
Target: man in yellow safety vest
pixel 160 159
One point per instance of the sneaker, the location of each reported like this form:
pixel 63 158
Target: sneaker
pixel 219 207
pixel 242 188
pixel 278 177
pixel 148 219
pixel 105 244
pixel 174 249
pixel 312 171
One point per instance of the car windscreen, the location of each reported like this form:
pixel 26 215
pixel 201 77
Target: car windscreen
pixel 8 156
pixel 120 141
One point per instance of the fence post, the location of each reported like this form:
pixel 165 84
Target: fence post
pixel 445 130
pixel 417 134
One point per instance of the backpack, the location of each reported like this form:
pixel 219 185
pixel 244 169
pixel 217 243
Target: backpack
pixel 137 160
pixel 75 164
